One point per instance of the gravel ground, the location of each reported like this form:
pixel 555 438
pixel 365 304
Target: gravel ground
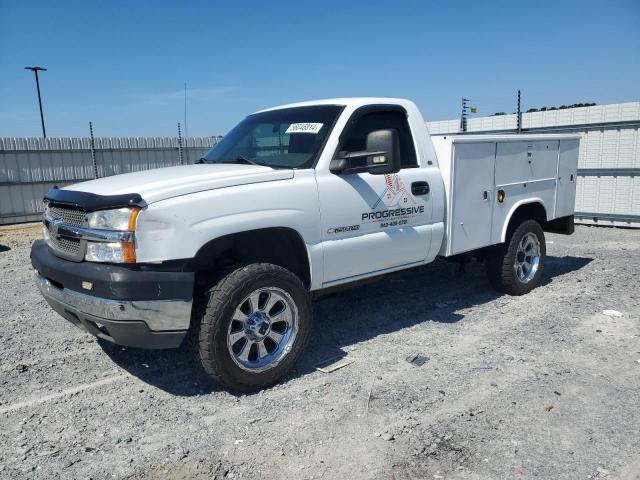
pixel 541 386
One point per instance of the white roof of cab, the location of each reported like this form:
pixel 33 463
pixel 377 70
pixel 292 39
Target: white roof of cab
pixel 347 102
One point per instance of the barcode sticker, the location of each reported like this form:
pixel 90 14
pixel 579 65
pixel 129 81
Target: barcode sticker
pixel 304 128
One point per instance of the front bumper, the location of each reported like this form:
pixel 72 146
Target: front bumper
pixel 136 308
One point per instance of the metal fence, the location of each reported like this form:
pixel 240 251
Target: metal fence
pixel 31 166
pixel 608 187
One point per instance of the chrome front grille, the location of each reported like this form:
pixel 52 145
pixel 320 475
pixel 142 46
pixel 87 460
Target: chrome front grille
pixel 69 246
pixel 64 246
pixel 70 216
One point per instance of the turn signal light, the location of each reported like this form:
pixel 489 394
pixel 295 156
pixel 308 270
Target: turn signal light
pixel 129 252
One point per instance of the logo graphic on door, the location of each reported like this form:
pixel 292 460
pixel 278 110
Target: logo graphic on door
pixel 395 194
pixel 394 203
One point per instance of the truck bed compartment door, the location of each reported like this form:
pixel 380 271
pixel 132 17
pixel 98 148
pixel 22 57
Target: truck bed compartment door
pixel 472 199
pixel 542 159
pixel 567 171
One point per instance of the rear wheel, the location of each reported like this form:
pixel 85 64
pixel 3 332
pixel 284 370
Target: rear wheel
pixel 254 328
pixel 516 267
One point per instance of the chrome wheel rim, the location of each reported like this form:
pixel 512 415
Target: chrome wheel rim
pixel 527 258
pixel 263 329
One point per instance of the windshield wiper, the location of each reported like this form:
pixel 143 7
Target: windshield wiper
pixel 244 160
pixel 240 159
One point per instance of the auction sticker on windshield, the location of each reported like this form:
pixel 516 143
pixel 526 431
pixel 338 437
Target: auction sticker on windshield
pixel 304 128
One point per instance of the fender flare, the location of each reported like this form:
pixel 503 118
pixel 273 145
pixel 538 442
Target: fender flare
pixel 293 231
pixel 512 210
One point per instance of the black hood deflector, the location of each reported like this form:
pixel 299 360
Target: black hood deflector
pixel 90 201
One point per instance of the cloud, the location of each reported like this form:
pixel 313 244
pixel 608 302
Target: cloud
pixel 167 98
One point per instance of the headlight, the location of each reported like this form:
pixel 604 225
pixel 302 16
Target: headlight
pixel 118 220
pixel 114 252
pixel 122 219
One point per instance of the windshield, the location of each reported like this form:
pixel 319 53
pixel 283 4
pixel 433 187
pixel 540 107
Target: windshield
pixel 285 138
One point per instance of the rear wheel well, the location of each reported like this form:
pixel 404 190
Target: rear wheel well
pixel 529 211
pixel 279 246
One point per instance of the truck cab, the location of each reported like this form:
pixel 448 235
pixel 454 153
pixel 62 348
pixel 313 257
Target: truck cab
pixel 294 200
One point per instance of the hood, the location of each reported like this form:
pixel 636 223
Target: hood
pixel 162 183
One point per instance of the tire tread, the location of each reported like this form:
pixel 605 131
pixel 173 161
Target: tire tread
pixel 499 263
pixel 214 301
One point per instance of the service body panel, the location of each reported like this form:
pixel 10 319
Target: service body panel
pixel 488 177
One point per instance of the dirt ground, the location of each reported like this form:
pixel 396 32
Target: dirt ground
pixel 541 386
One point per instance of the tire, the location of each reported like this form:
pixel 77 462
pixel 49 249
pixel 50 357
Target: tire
pixel 503 262
pixel 229 323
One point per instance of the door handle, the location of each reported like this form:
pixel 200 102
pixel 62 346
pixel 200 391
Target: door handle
pixel 420 188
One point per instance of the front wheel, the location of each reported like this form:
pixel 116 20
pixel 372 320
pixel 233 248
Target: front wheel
pixel 255 326
pixel 516 267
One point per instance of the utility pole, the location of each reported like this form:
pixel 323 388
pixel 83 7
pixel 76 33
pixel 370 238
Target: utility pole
pixel 519 117
pixel 180 145
pixel 93 152
pixel 36 70
pixel 463 115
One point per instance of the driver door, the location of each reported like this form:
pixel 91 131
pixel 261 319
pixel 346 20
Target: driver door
pixel 374 223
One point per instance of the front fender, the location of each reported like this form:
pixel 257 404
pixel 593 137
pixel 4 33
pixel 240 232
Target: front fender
pixel 177 228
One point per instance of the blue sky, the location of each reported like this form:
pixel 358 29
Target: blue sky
pixel 123 64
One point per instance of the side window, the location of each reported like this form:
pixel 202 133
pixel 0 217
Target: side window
pixel 356 138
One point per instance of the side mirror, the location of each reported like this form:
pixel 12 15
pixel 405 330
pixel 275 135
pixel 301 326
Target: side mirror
pixel 381 156
pixel 385 145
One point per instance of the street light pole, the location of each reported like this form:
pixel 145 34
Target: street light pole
pixel 35 70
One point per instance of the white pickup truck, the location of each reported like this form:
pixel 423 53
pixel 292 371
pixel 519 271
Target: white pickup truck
pixel 294 200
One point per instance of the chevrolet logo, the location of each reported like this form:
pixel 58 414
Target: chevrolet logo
pixel 53 227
